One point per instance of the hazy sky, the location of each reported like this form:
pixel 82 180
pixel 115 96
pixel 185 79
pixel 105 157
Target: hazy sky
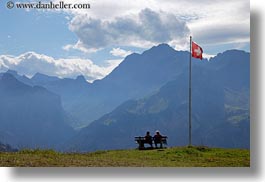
pixel 92 42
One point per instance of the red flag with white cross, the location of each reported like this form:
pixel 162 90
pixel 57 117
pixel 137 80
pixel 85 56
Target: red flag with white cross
pixel 196 51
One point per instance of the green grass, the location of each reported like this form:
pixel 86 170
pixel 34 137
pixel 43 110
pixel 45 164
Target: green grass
pixel 171 157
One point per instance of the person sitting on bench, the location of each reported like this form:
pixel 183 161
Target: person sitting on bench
pixel 148 139
pixel 158 139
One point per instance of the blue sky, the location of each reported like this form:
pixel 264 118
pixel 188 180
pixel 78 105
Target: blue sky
pixel 24 31
pixel 106 33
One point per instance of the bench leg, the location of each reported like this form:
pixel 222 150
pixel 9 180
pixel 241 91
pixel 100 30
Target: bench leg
pixel 161 145
pixel 141 145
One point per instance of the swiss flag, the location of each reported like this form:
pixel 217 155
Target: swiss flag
pixel 196 51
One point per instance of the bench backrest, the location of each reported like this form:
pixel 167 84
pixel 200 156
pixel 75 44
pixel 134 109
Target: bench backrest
pixel 139 139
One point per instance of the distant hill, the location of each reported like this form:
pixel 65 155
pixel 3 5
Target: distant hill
pixel 147 91
pixel 220 109
pixel 41 79
pixel 30 117
pixel 137 76
pixel 69 90
pixel 20 78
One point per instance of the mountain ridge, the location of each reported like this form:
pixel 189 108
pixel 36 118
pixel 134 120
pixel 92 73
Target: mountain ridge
pixel 219 119
pixel 136 76
pixel 30 116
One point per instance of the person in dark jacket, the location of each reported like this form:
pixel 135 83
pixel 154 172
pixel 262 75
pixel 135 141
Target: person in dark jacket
pixel 148 139
pixel 158 139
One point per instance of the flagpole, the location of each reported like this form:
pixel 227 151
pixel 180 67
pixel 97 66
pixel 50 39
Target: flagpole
pixel 190 94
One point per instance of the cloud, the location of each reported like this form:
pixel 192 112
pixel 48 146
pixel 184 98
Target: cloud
pixel 79 46
pixel 223 22
pixel 139 23
pixel 145 29
pixel 30 63
pixel 207 56
pixel 217 34
pixel 144 23
pixel 120 52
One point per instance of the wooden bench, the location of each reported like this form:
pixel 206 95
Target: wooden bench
pixel 141 141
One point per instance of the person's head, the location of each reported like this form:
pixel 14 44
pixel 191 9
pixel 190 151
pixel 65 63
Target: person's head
pixel 157 132
pixel 147 133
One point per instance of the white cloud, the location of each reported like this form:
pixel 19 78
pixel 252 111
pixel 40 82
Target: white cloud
pixel 208 56
pixel 145 29
pixel 111 64
pixel 211 22
pixel 79 46
pixel 120 52
pixel 30 63
pixel 116 23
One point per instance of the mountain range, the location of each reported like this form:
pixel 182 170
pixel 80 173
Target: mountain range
pixel 138 75
pixel 31 117
pixel 220 110
pixel 149 91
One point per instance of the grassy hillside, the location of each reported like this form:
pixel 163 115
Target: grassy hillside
pixel 171 157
